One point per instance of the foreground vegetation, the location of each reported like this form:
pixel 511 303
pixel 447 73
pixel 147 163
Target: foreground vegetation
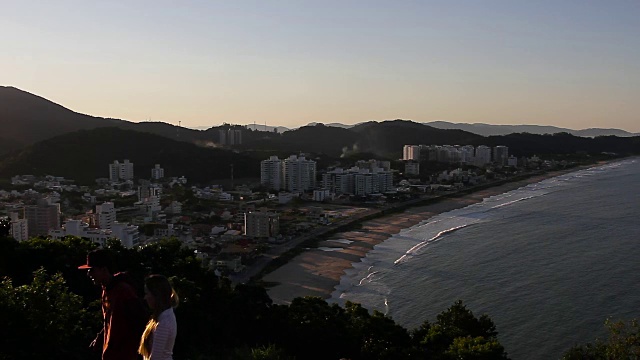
pixel 49 309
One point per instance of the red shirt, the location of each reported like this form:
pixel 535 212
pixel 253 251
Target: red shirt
pixel 124 320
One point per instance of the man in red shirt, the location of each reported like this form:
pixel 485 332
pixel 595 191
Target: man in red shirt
pixel 123 311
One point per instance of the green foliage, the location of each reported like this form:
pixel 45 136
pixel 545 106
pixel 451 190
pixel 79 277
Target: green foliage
pixel 216 320
pixel 5 226
pixel 475 348
pixel 623 343
pixel 458 334
pixel 43 320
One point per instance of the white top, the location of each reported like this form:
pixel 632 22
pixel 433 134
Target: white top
pixel 164 336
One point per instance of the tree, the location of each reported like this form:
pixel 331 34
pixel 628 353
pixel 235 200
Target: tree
pixel 458 334
pixel 43 320
pixel 623 343
pixel 5 227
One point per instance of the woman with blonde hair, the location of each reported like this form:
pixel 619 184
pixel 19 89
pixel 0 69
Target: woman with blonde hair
pixel 160 334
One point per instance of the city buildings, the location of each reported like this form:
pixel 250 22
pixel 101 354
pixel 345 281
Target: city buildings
pixel 230 136
pixel 42 217
pixel 157 172
pixel 357 181
pixel 261 224
pixel 299 174
pixel 453 154
pixel 295 174
pixel 105 215
pixel 271 172
pixel 19 227
pixel 120 171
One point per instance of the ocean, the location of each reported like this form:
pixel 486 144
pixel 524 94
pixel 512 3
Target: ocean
pixel 549 262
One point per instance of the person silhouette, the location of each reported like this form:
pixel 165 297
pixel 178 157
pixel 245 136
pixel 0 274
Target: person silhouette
pixel 123 312
pixel 160 334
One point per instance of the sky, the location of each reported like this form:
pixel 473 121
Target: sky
pixel 573 64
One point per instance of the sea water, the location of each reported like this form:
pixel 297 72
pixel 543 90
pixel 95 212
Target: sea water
pixel 549 262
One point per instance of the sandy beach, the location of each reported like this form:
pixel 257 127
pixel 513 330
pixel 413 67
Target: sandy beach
pixel 316 271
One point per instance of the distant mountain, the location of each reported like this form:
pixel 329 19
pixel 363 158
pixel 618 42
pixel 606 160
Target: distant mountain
pixel 85 155
pixel 338 125
pixel 26 118
pixel 266 128
pixel 526 144
pixel 489 130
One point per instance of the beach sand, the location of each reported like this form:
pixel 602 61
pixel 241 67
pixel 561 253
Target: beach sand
pixel 316 271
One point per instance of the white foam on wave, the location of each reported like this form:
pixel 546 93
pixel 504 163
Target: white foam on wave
pixel 341 241
pixel 325 248
pixel 416 248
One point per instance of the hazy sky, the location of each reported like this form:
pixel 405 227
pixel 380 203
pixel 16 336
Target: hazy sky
pixel 572 64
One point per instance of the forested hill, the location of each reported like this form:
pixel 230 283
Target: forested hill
pixel 86 154
pixel 26 118
pixel 524 144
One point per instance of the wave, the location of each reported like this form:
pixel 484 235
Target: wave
pixel 414 250
pixel 513 202
pixel 367 278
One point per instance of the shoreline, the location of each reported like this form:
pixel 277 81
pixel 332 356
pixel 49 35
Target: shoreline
pixel 318 271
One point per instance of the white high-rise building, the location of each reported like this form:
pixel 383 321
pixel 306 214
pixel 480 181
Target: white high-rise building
pixel 19 227
pixel 500 154
pixel 483 155
pixel 157 172
pixel 271 173
pixel 358 181
pixel 411 152
pixel 128 235
pixel 299 174
pixel 106 215
pixel 467 154
pixel 121 171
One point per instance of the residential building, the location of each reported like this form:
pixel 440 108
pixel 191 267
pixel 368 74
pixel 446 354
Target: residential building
pixel 321 195
pixel 42 217
pixel 483 155
pixel 129 235
pixel 271 172
pixel 500 155
pixel 157 172
pixel 261 224
pixel 174 208
pixel 299 174
pixel 19 227
pixel 121 171
pixel 411 168
pixel 411 152
pixel 105 215
pixel 356 181
pixel 230 136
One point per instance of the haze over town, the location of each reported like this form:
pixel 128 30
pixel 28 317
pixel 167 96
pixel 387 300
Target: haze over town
pixel 568 64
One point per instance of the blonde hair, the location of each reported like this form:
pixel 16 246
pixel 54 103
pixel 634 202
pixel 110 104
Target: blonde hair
pixel 145 342
pixel 165 297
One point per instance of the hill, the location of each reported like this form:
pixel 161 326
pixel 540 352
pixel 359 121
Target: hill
pixel 26 118
pixel 85 155
pixel 525 144
pixel 491 130
pixel 390 136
